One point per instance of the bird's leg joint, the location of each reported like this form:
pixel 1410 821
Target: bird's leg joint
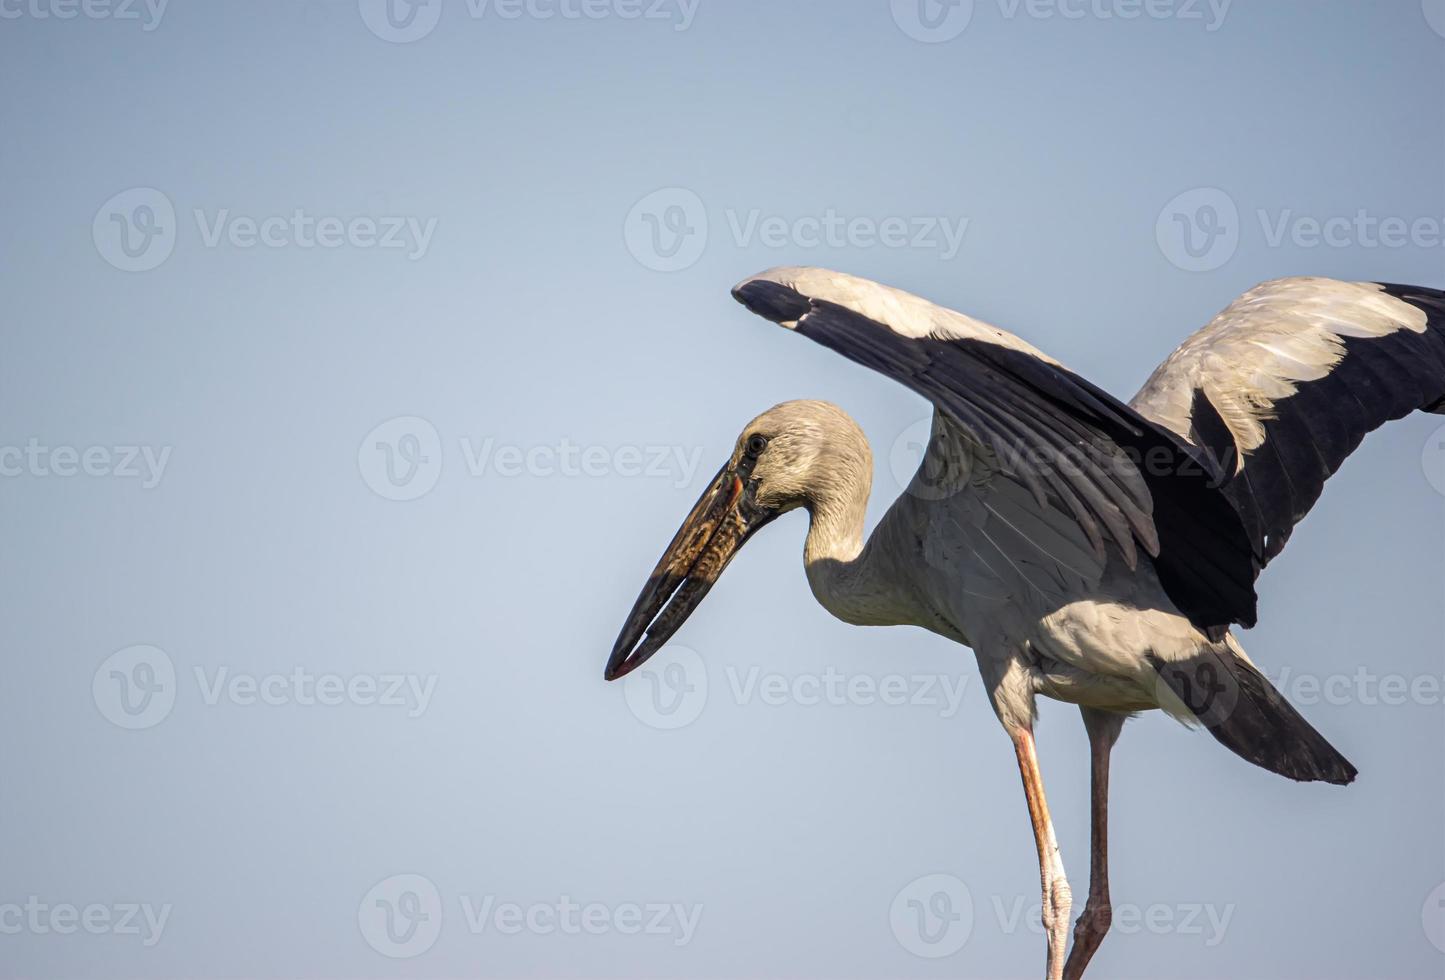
pixel 1094 922
pixel 1058 904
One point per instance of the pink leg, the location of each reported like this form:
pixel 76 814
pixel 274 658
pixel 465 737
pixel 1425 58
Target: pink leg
pixel 1093 924
pixel 1057 901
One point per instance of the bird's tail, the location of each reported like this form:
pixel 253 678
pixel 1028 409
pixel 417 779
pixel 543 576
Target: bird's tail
pixel 1221 690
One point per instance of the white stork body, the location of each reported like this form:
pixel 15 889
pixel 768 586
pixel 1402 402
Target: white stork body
pixel 1078 628
pixel 1086 550
pixel 971 553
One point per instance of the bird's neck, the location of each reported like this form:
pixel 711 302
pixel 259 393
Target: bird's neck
pixel 843 573
pixel 835 529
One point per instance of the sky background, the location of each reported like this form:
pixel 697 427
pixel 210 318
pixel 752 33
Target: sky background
pixel 302 661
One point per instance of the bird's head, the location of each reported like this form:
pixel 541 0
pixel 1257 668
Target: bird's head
pixel 797 454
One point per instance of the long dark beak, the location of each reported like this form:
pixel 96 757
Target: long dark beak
pixel 722 520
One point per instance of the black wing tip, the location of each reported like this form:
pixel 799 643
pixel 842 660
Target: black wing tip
pixel 772 301
pixel 1403 291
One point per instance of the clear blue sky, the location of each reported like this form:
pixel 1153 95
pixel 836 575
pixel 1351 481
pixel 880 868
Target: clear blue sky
pixel 385 369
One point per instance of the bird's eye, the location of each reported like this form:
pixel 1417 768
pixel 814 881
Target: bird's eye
pixel 756 444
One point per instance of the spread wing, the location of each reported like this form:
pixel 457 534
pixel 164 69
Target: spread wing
pixel 1123 480
pixel 1285 383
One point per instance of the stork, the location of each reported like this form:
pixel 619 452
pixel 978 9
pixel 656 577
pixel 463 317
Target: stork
pixel 1087 550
